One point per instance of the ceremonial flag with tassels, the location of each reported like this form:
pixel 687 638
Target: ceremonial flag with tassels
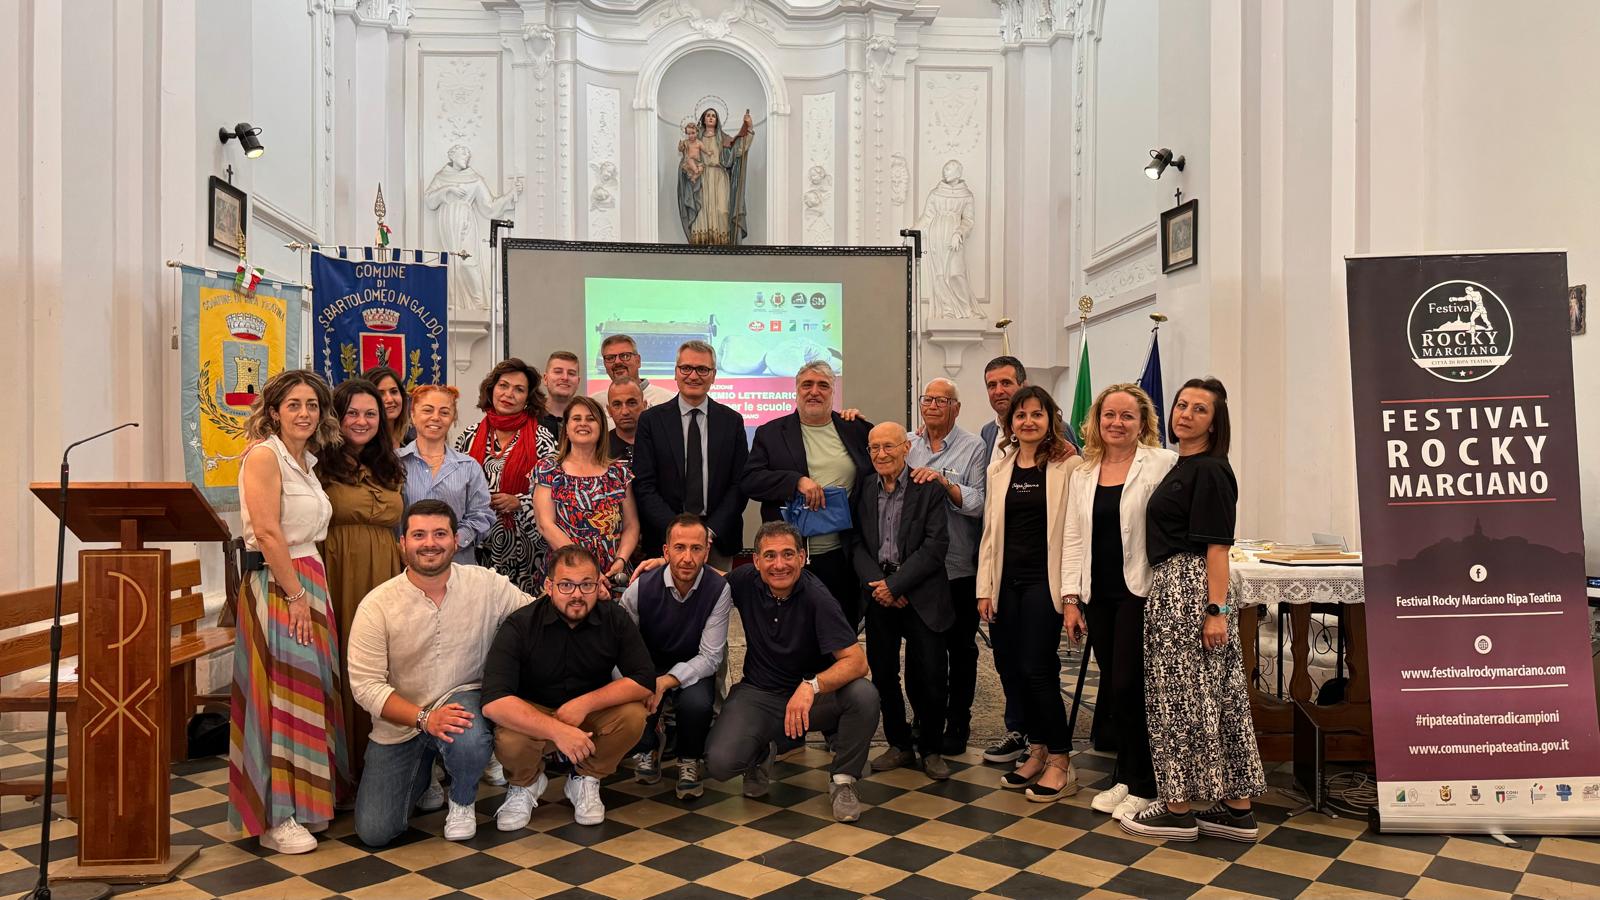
pixel 1150 381
pixel 1082 397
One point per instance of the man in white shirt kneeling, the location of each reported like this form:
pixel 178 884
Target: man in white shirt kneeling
pixel 417 648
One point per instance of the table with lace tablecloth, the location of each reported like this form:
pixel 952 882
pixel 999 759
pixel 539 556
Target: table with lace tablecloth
pixel 1322 606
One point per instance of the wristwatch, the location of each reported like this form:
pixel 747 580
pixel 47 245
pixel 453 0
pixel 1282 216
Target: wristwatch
pixel 1214 610
pixel 816 686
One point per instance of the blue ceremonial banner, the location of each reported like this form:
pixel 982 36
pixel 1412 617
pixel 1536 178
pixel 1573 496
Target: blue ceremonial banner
pixel 1151 382
pixel 378 306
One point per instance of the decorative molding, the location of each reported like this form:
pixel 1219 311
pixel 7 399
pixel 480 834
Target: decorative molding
pixel 858 158
pixel 1024 21
pixel 458 92
pixel 265 212
pixel 953 337
pixel 1130 274
pixel 1133 243
pixel 534 48
pixel 391 15
pixel 817 202
pixel 717 28
pixel 899 179
pixel 604 108
pixel 564 220
pixel 880 53
pixel 953 113
pixel 322 76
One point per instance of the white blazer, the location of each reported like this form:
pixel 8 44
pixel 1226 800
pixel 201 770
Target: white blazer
pixel 1150 465
pixel 991 549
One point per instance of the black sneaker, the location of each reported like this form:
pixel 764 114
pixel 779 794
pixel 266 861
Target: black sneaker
pixel 1223 821
pixel 954 743
pixel 1156 821
pixel 1008 749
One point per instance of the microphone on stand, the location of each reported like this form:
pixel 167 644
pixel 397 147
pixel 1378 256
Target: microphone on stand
pixel 81 889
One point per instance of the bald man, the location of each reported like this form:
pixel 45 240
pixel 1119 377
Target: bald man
pixel 899 554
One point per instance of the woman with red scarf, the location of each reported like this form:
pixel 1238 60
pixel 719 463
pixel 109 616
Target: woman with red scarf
pixel 509 443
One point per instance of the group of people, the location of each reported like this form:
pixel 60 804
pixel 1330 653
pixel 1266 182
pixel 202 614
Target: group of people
pixel 555 582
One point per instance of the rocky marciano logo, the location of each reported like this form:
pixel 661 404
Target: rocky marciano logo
pixel 1459 331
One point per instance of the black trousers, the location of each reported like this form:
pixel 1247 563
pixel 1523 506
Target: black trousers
pixel 694 706
pixel 961 647
pixel 925 675
pixel 1027 642
pixel 752 719
pixel 839 576
pixel 1116 634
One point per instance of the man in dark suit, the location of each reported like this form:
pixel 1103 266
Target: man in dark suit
pixel 803 453
pixel 687 458
pixel 902 535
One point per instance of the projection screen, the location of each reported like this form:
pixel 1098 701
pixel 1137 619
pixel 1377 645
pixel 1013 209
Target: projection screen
pixel 766 310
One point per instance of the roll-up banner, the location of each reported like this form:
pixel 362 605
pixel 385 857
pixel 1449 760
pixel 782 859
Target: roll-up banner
pixel 1483 697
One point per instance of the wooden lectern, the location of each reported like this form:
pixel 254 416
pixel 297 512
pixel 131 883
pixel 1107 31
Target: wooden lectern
pixel 121 756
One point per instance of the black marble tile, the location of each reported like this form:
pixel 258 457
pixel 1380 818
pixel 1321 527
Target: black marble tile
pixel 1430 844
pixel 581 867
pixel 1569 869
pixel 589 835
pixel 692 862
pixel 789 824
pixel 876 793
pixel 1316 843
pixel 1139 883
pixel 1108 848
pixel 1457 871
pixel 363 871
pixel 691 827
pixel 977 817
pixel 959 791
pixel 887 821
pixel 810 890
pixel 798 858
pixel 1006 852
pixel 904 855
pixel 1251 880
pixel 470 870
pixel 916 887
pixel 1072 816
pixel 1366 878
pixel 257 873
pixel 694 892
pixel 1032 886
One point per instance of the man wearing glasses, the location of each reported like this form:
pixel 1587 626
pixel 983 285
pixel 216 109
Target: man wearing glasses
pixel 899 556
pixel 956 460
pixel 548 681
pixel 687 458
pixel 803 671
pixel 620 355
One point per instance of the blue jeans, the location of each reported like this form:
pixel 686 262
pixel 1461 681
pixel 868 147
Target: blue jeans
pixel 395 775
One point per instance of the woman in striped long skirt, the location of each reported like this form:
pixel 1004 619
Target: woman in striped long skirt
pixel 287 741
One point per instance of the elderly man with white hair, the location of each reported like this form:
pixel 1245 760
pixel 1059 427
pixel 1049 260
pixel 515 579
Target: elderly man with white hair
pixel 802 456
pixel 957 460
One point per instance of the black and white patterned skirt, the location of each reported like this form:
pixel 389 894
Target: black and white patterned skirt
pixel 1202 739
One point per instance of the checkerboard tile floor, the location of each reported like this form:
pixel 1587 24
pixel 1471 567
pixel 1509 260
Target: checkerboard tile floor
pixel 963 838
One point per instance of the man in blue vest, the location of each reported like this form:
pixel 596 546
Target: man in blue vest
pixel 683 615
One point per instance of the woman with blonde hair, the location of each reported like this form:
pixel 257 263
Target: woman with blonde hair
pixel 288 730
pixel 583 496
pixel 1019 591
pixel 1103 556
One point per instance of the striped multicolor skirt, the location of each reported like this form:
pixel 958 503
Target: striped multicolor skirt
pixel 287 739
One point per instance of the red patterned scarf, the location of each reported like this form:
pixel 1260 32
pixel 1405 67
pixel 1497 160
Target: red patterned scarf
pixel 515 476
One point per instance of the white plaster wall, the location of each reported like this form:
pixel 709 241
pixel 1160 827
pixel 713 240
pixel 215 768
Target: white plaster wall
pixel 1125 122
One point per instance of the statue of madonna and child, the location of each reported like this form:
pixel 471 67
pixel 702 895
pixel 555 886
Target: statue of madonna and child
pixel 711 177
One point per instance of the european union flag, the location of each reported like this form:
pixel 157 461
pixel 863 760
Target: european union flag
pixel 1150 381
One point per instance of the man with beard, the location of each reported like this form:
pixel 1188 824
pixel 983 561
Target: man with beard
pixel 683 614
pixel 620 355
pixel 803 671
pixel 417 647
pixel 548 681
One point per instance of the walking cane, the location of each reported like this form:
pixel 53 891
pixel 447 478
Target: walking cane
pixel 1077 694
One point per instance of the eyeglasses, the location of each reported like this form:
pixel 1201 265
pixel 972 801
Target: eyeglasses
pixel 568 588
pixel 929 400
pixel 875 449
pixel 625 356
pixel 702 371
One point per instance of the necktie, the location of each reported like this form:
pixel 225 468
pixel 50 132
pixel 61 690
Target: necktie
pixel 694 479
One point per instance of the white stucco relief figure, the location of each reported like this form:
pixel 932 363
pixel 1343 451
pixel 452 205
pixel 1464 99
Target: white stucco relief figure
pixel 462 205
pixel 946 223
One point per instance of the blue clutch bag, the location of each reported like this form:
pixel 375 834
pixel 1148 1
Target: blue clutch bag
pixel 832 517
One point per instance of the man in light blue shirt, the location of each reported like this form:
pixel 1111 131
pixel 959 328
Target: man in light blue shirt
pixel 942 451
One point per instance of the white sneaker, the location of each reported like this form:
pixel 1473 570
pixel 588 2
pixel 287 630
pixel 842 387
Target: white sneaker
pixel 584 792
pixel 432 798
pixel 517 808
pixel 461 823
pixel 494 773
pixel 288 836
pixel 1130 806
pixel 1107 800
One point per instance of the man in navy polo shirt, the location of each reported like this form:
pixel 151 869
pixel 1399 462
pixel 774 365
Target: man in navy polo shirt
pixel 803 671
pixel 683 615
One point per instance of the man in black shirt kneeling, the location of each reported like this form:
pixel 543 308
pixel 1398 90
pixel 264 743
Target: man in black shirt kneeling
pixel 547 680
pixel 803 671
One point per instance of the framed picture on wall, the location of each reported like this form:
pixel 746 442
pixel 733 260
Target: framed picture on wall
pixel 227 216
pixel 1180 236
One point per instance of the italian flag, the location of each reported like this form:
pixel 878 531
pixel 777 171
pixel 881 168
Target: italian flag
pixel 1082 398
pixel 383 235
pixel 247 277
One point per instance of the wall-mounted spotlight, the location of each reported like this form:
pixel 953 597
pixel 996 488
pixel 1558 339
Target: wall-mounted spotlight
pixel 1159 160
pixel 252 144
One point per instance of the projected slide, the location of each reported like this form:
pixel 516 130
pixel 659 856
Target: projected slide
pixel 763 332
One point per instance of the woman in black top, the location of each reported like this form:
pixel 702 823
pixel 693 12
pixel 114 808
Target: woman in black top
pixel 1019 585
pixel 1202 739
